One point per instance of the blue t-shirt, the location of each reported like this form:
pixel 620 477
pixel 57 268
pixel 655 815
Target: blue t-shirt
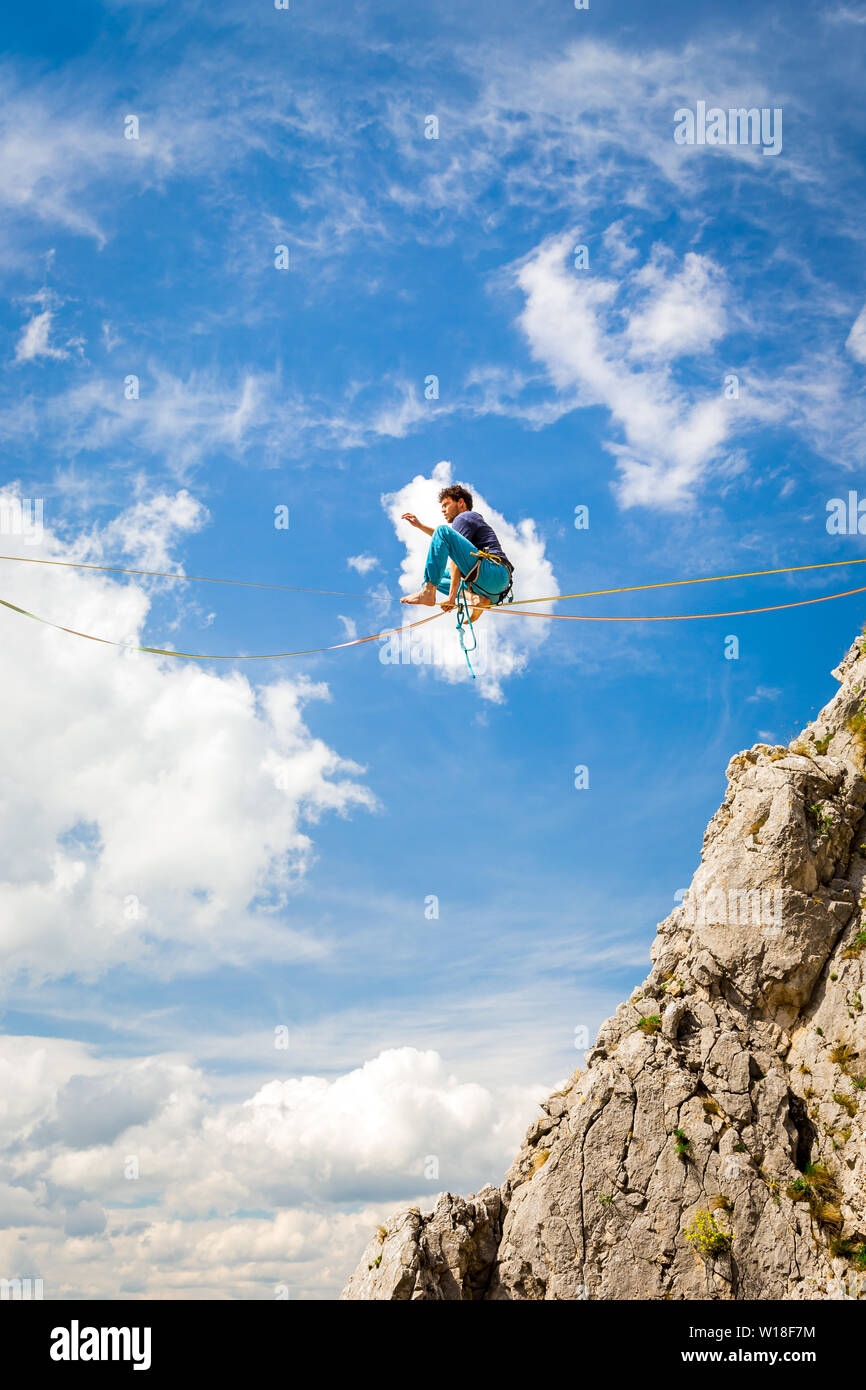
pixel 473 526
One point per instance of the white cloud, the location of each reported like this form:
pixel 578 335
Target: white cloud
pixel 856 340
pixel 597 341
pixel 844 14
pixel 573 324
pixel 147 531
pixel 181 420
pixel 48 157
pixel 62 142
pixel 617 245
pixel 406 408
pixel 323 1159
pixel 505 643
pixel 35 340
pixel 363 563
pixel 820 397
pixel 591 125
pixel 110 339
pixel 65 159
pixel 764 692
pixel 152 812
pixel 683 311
pixel 495 390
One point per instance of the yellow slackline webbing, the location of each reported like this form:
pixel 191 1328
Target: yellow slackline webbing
pixel 709 579
pixel 199 656
pixel 339 593
pixel 671 617
pixel 514 608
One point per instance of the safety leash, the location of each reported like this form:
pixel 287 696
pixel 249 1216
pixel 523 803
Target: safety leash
pixel 464 622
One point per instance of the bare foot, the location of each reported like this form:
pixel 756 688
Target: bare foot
pixel 426 595
pixel 477 604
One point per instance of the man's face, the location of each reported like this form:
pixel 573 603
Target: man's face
pixel 450 508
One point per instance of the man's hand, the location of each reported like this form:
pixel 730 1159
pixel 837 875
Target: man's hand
pixel 447 604
pixel 413 521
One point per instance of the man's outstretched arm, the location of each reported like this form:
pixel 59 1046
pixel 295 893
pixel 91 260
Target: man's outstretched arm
pixel 413 521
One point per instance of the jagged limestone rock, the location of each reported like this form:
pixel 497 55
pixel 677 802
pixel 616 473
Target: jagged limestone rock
pixel 733 1083
pixel 448 1255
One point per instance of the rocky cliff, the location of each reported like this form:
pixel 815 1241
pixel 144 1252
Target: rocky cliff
pixel 714 1146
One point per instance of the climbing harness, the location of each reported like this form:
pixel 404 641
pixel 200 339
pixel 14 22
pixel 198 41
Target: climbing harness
pixel 470 581
pixel 506 595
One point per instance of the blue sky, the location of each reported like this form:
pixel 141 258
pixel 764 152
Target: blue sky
pixel 196 856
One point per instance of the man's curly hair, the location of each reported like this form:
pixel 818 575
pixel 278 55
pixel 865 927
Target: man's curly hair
pixel 459 493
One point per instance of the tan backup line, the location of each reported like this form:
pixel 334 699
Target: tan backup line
pixel 358 641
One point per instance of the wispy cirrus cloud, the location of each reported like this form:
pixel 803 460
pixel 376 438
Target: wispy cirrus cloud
pixel 844 14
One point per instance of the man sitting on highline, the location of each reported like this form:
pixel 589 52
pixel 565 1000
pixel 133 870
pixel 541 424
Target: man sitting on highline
pixel 458 542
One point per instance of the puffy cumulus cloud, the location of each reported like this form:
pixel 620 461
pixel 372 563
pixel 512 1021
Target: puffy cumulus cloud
pixel 370 1132
pixel 32 1071
pixel 160 1188
pixel 152 812
pixel 505 643
pixel 613 343
pixel 93 1110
